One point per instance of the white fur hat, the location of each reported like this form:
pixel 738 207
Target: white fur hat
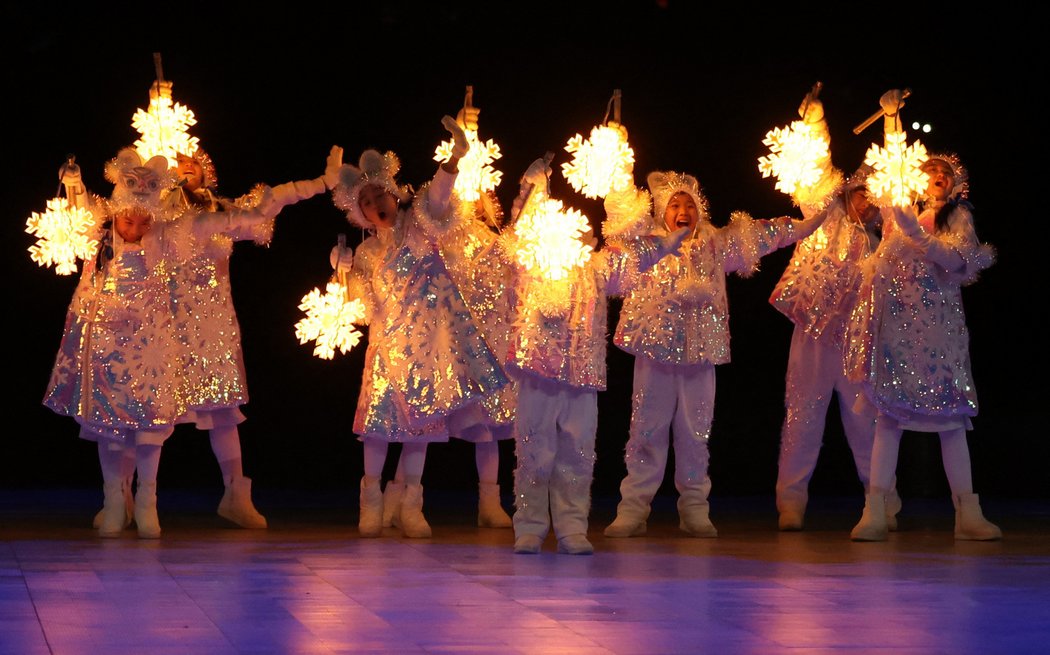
pixel 138 183
pixel 961 175
pixel 373 169
pixel 664 184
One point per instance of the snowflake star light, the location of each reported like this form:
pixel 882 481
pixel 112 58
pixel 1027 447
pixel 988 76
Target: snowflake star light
pixel 476 174
pixel 600 164
pixel 549 238
pixel 795 155
pixel 330 321
pixel 164 127
pixel 63 236
pixel 898 176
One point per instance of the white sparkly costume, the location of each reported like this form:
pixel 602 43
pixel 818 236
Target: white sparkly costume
pixel 817 292
pixel 676 324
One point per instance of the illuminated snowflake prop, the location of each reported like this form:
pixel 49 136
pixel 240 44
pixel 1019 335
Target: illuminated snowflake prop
pixel 476 174
pixel 549 239
pixel 330 321
pixel 164 128
pixel 898 176
pixel 63 236
pixel 601 164
pixel 795 155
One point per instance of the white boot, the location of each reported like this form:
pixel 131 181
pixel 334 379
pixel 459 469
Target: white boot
pixel 575 544
pixel 791 505
pixel 370 519
pixel 236 504
pixel 970 524
pixel 872 525
pixel 392 503
pixel 694 516
pixel 113 517
pixel 413 524
pixel 146 511
pixel 893 507
pixel 626 524
pixel 129 508
pixel 490 510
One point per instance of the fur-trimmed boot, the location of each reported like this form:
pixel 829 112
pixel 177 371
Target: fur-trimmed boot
pixel 970 524
pixel 626 524
pixel 575 544
pixel 113 517
pixel 872 525
pixel 392 503
pixel 370 518
pixel 792 509
pixel 146 518
pixel 490 510
pixel 893 507
pixel 129 509
pixel 694 515
pixel 413 524
pixel 236 504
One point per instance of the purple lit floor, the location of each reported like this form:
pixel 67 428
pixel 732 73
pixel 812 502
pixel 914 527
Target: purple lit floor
pixel 309 585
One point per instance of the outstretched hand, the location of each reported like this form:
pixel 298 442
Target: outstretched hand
pixel 332 166
pixel 460 147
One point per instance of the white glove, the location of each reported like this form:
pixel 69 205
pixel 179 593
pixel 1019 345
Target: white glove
pixel 537 173
pixel 908 222
pixel 69 175
pixel 342 259
pixel 672 243
pixel 460 147
pixel 332 166
pixel 811 110
pixel 468 118
pixel 891 102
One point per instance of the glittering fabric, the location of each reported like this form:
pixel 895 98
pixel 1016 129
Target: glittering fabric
pixel 426 356
pixel 908 341
pixel 115 369
pixel 678 313
pixel 818 288
pixel 571 348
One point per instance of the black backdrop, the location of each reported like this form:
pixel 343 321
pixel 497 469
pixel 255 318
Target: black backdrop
pixel 273 90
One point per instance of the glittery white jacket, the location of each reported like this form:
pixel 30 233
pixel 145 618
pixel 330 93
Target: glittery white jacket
pixel 819 286
pixel 679 314
pixel 426 356
pixel 908 339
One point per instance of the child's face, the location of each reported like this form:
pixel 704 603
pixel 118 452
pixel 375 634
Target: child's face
pixel 189 169
pixel 942 179
pixel 861 208
pixel 681 212
pixel 133 224
pixel 378 206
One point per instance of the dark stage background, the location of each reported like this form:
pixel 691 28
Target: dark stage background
pixel 273 91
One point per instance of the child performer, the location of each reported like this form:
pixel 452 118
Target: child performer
pixel 676 324
pixel 911 314
pixel 214 382
pixel 558 358
pixel 817 292
pixel 425 356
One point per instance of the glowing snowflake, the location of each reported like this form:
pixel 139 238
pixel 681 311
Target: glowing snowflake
pixel 329 320
pixel 63 236
pixel 601 164
pixel 549 239
pixel 163 127
pixel 898 175
pixel 795 154
pixel 476 174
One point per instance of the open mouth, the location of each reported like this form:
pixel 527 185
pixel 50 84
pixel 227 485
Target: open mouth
pixel 682 222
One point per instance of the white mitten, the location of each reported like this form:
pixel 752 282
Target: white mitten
pixel 468 118
pixel 892 101
pixel 460 147
pixel 332 166
pixel 342 259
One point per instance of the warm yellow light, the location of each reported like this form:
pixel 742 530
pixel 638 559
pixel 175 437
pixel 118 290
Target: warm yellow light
pixel 549 239
pixel 330 321
pixel 63 236
pixel 164 127
pixel 601 164
pixel 476 174
pixel 898 177
pixel 796 152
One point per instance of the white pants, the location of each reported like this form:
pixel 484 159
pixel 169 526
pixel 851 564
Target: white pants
pixel 815 372
pixel 554 442
pixel 666 397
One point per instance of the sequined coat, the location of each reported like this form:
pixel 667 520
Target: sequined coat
pixel 116 366
pixel 570 348
pixel 819 287
pixel 426 356
pixel 679 313
pixel 908 339
pixel 205 319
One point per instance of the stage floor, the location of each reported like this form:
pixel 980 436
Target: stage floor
pixel 310 585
